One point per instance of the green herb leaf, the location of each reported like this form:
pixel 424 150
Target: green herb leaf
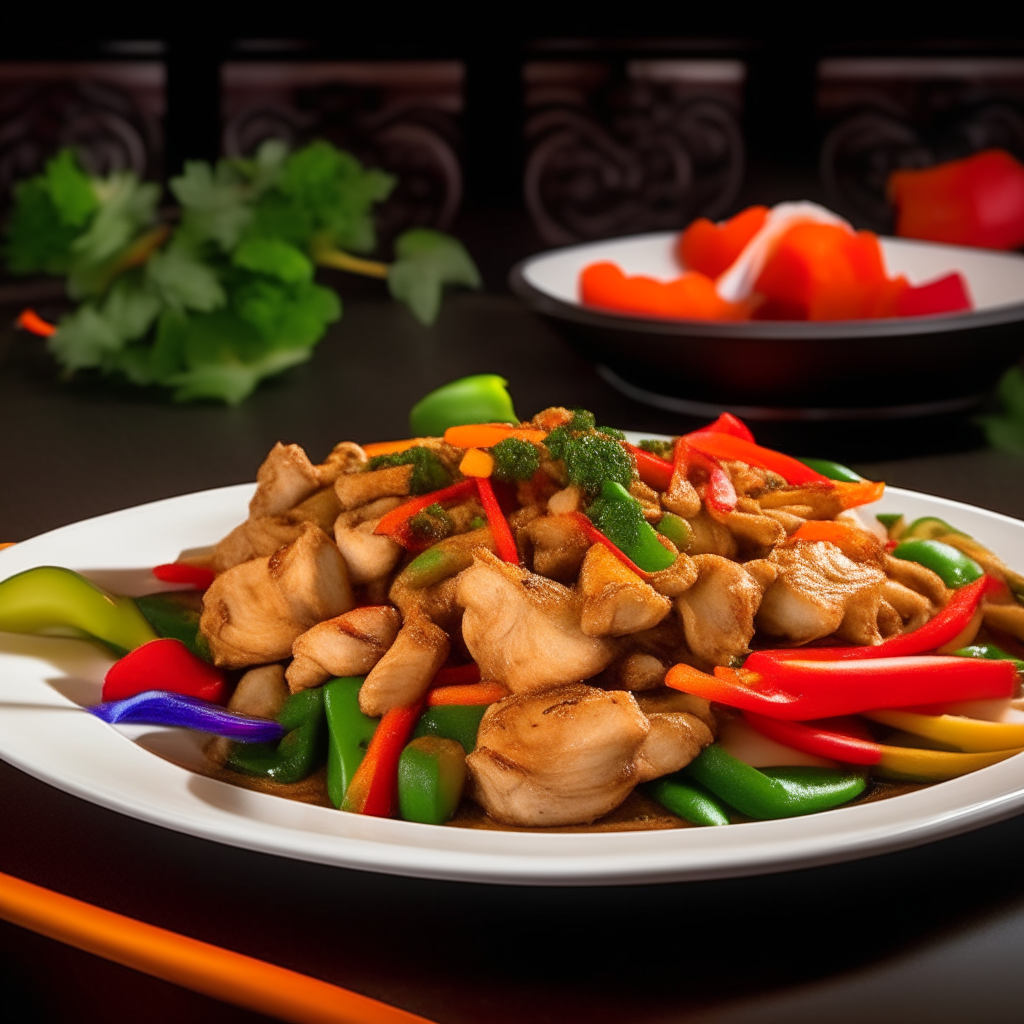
pixel 183 281
pixel 213 203
pixel 289 317
pixel 427 261
pixel 275 258
pixel 70 189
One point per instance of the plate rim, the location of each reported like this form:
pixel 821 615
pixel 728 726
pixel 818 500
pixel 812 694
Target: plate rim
pixel 500 857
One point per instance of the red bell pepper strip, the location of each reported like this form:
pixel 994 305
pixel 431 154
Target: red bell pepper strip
pixel 374 787
pixel 458 675
pixel 814 738
pixel 898 762
pixel 726 446
pixel 944 295
pixel 654 472
pixel 29 320
pixel 475 693
pixel 727 424
pixel 391 524
pixel 497 522
pixel 182 572
pixel 164 664
pixel 595 536
pixel 803 690
pixel 940 630
pixel 720 494
pixel 711 248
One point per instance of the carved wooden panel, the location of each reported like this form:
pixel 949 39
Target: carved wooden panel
pixel 401 116
pixel 880 114
pixel 634 146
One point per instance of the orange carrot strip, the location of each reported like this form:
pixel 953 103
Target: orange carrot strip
pixel 861 493
pixel 836 533
pixel 8 544
pixel 390 447
pixel 200 966
pixel 474 693
pixel 374 787
pixel 29 320
pixel 487 435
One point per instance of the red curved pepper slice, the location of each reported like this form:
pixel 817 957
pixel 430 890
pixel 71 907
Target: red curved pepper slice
pixel 391 524
pixel 654 472
pixel 727 446
pixel 815 738
pixel 727 424
pixel 182 572
pixel 946 626
pixel 165 664
pixel 720 494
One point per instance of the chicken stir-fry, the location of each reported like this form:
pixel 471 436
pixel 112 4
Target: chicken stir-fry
pixel 568 574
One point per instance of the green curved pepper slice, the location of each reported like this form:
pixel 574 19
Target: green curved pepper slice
pixel 481 398
pixel 349 732
pixel 300 751
pixel 833 470
pixel 176 614
pixel 688 799
pixel 51 600
pixel 619 516
pixel 773 792
pixel 459 722
pixel 928 528
pixel 954 568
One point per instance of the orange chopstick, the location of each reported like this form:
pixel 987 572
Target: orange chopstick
pixel 231 977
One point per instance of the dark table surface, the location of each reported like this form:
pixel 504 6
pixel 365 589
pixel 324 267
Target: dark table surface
pixel 931 933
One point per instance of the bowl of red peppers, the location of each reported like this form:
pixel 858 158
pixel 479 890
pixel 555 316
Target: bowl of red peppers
pixel 790 312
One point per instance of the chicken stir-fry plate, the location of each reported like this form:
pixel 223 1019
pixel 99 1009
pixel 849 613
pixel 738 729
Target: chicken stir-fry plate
pixel 541 625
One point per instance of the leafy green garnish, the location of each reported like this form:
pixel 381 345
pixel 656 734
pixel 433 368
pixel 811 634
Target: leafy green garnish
pixel 515 459
pixel 429 472
pixel 1005 431
pixel 226 298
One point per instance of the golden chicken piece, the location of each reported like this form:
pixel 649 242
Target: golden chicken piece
pixel 559 545
pixel 253 613
pixel 368 556
pixel 355 489
pixel 403 674
pixel 347 645
pixel 286 476
pixel 615 600
pixel 571 754
pixel 819 591
pixel 523 630
pixel 718 610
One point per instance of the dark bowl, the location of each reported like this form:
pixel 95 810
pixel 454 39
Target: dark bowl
pixel 795 370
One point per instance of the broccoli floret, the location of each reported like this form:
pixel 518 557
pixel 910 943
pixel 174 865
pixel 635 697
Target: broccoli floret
pixel 663 449
pixel 620 521
pixel 431 525
pixel 589 458
pixel 429 472
pixel 618 435
pixel 515 459
pixel 581 420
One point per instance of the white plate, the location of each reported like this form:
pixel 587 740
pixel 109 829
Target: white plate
pixel 45 732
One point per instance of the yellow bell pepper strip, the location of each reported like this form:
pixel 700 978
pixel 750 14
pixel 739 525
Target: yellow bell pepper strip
pixel 595 536
pixel 968 734
pixel 487 435
pixel 176 614
pixel 497 522
pixel 620 517
pixel 720 495
pixel 833 470
pixel 302 749
pixel 653 471
pixel 687 799
pixel 938 631
pixel 954 567
pixel 393 524
pixel 431 778
pixel 482 397
pixel 181 572
pixel 349 733
pixel 373 789
pixel 805 690
pixel 459 722
pixel 164 664
pixel 157 707
pixel 52 600
pixel 727 446
pixel 477 462
pixel 773 793
pixel 908 763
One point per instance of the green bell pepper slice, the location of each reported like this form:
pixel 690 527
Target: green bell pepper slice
pixel 766 793
pixel 619 516
pixel 349 732
pixel 953 567
pixel 676 529
pixel 833 470
pixel 928 528
pixel 301 750
pixel 481 398
pixel 459 722
pixel 688 799
pixel 431 778
pixel 176 614
pixel 54 601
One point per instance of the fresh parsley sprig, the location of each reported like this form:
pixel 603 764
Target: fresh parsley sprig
pixel 210 306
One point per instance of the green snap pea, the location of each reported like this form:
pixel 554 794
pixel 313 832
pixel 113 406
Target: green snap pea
pixel 954 568
pixel 688 799
pixel 349 732
pixel 833 470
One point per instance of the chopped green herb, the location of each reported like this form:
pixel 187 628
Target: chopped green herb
pixel 429 472
pixel 515 459
pixel 432 524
